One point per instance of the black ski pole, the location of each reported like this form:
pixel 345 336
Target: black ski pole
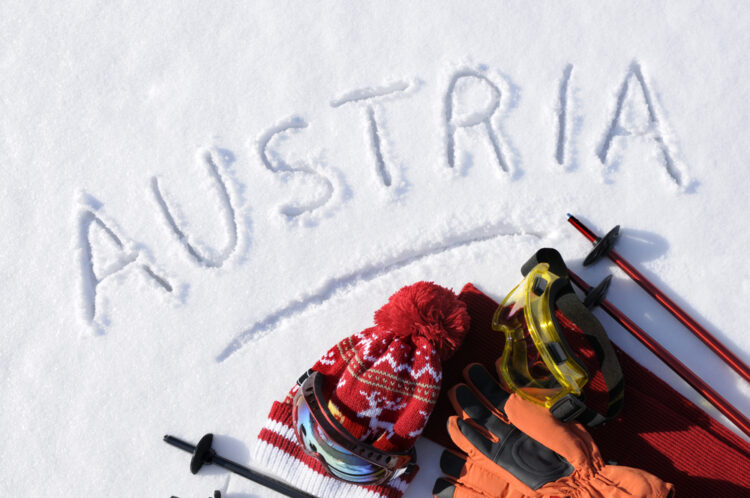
pixel 217 494
pixel 204 454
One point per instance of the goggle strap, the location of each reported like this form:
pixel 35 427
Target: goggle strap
pixel 572 307
pixel 568 408
pixel 304 376
pixel 549 256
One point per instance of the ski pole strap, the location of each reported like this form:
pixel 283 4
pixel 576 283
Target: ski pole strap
pixel 567 302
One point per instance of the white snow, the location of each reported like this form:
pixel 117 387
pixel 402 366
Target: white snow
pixel 198 199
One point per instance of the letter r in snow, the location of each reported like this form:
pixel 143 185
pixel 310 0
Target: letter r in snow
pixel 482 116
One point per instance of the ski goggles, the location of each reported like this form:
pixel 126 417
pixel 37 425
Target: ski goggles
pixel 537 361
pixel 342 456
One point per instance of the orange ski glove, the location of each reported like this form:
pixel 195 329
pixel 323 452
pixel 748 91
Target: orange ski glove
pixel 514 448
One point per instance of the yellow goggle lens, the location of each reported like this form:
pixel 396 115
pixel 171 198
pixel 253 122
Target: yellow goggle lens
pixel 534 362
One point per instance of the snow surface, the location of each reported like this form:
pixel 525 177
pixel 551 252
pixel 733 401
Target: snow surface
pixel 197 199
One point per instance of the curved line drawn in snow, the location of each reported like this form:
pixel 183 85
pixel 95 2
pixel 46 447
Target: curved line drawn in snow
pixel 229 217
pixel 635 73
pixel 365 274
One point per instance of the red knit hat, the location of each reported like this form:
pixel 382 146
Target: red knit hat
pixel 382 383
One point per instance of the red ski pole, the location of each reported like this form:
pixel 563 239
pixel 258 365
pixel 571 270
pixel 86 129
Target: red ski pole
pixel 603 246
pixel 721 404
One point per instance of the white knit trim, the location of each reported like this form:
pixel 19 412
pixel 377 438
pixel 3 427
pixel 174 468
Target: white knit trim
pixel 297 473
pixel 282 430
pixel 303 477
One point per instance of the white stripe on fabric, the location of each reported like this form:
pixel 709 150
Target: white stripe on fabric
pixel 303 477
pixel 282 430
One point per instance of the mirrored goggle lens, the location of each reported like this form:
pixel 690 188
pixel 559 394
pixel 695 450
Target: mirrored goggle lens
pixel 339 461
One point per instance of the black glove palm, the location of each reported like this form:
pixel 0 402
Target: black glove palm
pixel 494 445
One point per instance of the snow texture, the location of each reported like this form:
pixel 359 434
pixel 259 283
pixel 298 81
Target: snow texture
pixel 198 199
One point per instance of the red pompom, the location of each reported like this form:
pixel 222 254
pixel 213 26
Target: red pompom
pixel 426 310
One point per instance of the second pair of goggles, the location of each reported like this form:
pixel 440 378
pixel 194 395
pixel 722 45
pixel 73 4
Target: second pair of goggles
pixel 343 456
pixel 537 362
